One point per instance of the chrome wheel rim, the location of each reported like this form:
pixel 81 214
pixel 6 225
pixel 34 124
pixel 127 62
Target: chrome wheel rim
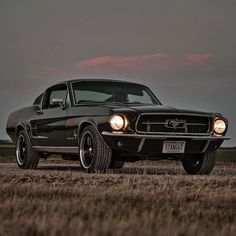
pixel 86 150
pixel 21 150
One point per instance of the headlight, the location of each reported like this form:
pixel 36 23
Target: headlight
pixel 118 122
pixel 219 126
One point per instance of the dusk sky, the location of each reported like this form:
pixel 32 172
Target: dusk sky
pixel 183 50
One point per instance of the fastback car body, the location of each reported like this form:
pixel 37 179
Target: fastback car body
pixel 105 123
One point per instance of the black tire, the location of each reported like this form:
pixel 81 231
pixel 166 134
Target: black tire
pixel 116 164
pixel 200 166
pixel 95 155
pixel 26 157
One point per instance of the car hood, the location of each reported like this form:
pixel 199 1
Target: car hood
pixel 159 109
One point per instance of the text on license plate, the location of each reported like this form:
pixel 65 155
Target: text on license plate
pixel 173 147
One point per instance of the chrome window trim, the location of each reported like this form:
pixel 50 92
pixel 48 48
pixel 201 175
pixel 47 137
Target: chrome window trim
pixel 46 91
pixel 152 95
pixel 72 92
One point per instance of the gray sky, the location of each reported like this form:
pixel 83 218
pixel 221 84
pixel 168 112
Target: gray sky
pixel 184 50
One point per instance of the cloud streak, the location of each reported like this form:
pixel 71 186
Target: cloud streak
pixel 157 63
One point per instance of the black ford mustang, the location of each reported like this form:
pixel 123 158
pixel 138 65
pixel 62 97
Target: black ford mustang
pixel 105 123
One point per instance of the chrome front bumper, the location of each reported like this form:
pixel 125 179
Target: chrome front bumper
pixel 140 142
pixel 175 136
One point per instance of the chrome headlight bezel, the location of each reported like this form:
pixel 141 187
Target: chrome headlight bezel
pixel 118 122
pixel 220 126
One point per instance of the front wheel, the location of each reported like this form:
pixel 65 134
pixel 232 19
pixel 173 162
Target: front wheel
pixel 200 166
pixel 26 157
pixel 95 155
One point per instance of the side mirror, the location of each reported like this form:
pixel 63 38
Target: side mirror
pixel 57 102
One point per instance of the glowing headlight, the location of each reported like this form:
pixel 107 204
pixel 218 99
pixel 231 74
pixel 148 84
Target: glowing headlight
pixel 118 122
pixel 219 126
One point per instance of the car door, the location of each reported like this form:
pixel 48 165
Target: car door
pixel 49 126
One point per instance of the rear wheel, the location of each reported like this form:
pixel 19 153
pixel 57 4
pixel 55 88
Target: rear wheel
pixel 200 166
pixel 116 164
pixel 26 157
pixel 95 155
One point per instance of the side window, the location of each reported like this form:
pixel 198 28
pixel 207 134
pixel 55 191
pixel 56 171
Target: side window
pixel 38 100
pixel 55 95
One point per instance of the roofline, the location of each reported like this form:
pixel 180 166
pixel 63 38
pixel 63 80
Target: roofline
pixel 99 80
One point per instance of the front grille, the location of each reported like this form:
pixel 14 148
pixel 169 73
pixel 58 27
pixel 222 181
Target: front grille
pixel 173 123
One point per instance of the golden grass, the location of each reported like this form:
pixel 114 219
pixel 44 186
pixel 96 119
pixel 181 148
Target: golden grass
pixel 67 201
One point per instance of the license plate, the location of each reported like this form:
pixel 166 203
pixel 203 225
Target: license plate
pixel 173 147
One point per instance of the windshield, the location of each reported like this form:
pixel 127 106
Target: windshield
pixel 112 92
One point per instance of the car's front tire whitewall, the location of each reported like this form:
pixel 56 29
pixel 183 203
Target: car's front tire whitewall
pixel 95 155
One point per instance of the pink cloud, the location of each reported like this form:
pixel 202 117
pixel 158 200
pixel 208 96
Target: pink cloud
pixel 158 62
pixel 131 62
pixel 199 60
pixel 165 63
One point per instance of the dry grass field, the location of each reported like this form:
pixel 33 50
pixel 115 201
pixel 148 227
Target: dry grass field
pixel 140 199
